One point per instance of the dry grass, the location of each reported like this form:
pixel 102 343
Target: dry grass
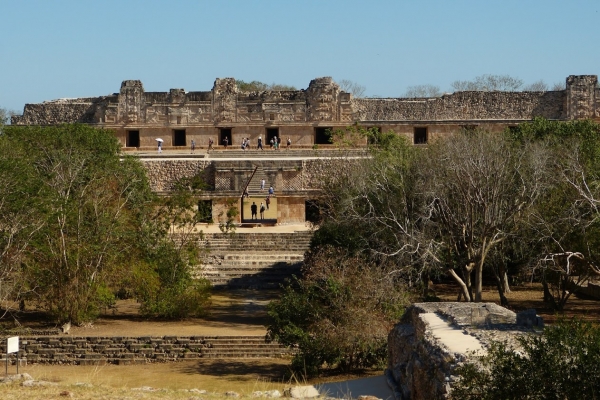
pixel 232 314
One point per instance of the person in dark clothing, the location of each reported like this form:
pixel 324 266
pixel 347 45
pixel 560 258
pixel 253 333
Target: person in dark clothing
pixel 253 209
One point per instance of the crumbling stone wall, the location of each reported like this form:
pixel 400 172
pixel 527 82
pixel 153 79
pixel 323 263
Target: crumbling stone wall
pixel 464 106
pixel 162 174
pixel 422 367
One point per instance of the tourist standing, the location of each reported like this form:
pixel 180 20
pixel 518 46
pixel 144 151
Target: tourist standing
pixel 262 211
pixel 259 145
pixel 226 142
pixel 193 146
pixel 253 209
pixel 210 144
pixel 262 184
pixel 289 142
pixel 268 201
pixel 271 191
pixel 159 146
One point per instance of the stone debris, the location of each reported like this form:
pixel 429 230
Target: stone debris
pixel 267 393
pixel 16 377
pixel 301 392
pixel 66 393
pixel 31 383
pixel 145 389
pixel 232 394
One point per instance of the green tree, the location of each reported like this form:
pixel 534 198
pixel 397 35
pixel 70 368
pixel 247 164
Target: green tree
pixel 561 363
pixel 564 229
pixel 78 222
pixel 86 200
pixel 162 278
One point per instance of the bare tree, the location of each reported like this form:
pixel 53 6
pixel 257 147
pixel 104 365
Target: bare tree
pixel 489 83
pixel 355 88
pixel 480 189
pixel 559 86
pixel 539 86
pixel 423 91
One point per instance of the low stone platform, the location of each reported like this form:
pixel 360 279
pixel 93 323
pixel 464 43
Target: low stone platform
pixel 432 339
pixel 76 350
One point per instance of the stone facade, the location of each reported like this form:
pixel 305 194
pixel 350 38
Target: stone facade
pixel 421 365
pixel 294 180
pixel 138 117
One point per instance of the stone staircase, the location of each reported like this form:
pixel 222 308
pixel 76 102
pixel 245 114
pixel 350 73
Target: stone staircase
pixel 136 350
pixel 252 260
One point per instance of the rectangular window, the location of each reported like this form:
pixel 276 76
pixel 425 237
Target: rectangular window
pixel 133 139
pixel 420 136
pixel 179 137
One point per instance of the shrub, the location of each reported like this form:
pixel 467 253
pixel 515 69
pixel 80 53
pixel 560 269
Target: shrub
pixel 338 314
pixel 561 363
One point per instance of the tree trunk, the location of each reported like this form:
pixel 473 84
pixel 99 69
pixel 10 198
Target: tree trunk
pixel 506 286
pixel 503 299
pixel 478 283
pixel 461 283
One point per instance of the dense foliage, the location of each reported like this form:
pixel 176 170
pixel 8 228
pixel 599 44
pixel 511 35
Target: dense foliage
pixel 470 205
pixel 79 222
pixel 338 314
pixel 561 363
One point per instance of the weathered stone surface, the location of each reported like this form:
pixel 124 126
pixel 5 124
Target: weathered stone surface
pixel 419 361
pixel 301 392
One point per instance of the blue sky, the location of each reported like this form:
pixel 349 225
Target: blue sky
pixel 67 48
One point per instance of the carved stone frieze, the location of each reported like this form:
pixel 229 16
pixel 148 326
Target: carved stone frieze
pixel 224 100
pixel 131 102
pixel 322 98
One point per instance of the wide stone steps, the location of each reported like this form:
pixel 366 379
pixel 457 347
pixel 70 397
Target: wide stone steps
pixel 120 350
pixel 252 260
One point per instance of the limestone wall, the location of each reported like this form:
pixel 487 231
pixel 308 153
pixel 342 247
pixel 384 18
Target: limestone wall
pixel 464 106
pixel 421 363
pixel 162 174
pixel 323 103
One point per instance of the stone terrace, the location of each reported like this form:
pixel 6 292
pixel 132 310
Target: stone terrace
pixel 253 260
pixel 135 350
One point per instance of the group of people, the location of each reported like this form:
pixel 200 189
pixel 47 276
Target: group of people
pixel 254 208
pixel 263 206
pixel 274 142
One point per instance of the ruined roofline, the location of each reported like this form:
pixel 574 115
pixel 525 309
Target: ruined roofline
pixel 323 101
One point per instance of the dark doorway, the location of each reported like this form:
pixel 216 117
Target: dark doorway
pixel 323 135
pixel 312 212
pixel 271 133
pixel 133 139
pixel 420 136
pixel 225 132
pixel 205 211
pixel 179 137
